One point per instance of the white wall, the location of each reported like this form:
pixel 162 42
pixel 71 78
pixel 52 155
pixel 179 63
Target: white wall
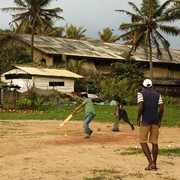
pixel 39 82
pixel 43 83
pixel 23 83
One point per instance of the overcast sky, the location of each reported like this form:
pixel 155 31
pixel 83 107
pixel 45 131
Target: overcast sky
pixel 93 15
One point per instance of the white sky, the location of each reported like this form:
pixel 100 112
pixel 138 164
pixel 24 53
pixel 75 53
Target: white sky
pixel 93 15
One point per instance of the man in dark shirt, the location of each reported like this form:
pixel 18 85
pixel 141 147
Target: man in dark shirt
pixel 151 111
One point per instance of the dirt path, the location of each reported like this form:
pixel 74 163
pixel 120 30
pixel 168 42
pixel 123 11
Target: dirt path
pixel 34 149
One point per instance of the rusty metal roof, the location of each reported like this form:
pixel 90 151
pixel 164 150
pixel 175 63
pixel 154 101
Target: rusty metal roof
pixel 92 48
pixel 40 71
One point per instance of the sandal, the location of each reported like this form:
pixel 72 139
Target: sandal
pixel 153 168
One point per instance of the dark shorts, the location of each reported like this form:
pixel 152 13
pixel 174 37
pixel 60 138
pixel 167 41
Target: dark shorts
pixel 124 116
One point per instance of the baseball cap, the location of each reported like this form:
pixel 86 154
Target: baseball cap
pixel 147 83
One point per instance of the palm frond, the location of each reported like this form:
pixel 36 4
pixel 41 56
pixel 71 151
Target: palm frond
pixel 171 30
pixel 164 42
pixel 13 9
pixel 156 44
pixel 127 26
pixel 161 9
pixel 148 7
pixel 129 34
pixel 134 17
pixel 140 41
pixel 174 11
pixel 169 17
pixel 136 9
pixel 20 3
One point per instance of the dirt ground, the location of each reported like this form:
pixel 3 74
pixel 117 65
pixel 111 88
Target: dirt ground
pixel 41 150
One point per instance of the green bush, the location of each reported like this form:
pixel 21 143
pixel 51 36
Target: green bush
pixel 24 103
pixel 37 102
pixel 32 101
pixel 171 100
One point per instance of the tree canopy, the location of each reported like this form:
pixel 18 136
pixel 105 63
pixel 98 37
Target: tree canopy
pixel 31 14
pixel 147 27
pixel 107 35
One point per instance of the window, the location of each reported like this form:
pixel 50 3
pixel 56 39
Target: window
pixel 56 83
pixel 43 61
pixel 18 76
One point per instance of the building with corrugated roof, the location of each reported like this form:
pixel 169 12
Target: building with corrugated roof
pixel 99 56
pixel 61 80
pixel 20 80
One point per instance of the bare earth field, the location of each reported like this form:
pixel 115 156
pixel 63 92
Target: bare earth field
pixel 41 150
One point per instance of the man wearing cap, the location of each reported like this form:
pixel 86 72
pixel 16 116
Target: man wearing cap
pixel 149 119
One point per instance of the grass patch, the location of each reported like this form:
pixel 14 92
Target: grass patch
pixel 137 175
pixel 170 152
pixel 112 174
pixel 130 151
pixel 171 116
pixel 94 178
pixel 175 152
pixel 106 171
pixel 101 174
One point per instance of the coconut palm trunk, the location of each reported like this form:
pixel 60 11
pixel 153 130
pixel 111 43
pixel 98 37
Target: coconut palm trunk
pixel 150 57
pixel 32 38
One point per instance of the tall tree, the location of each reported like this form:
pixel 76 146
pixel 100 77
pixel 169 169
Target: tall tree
pixel 73 32
pixel 148 24
pixel 12 55
pixel 107 35
pixel 47 30
pixel 32 13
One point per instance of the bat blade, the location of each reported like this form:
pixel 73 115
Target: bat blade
pixel 66 120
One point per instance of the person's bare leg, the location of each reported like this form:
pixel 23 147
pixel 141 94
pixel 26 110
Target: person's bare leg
pixel 155 152
pixel 147 153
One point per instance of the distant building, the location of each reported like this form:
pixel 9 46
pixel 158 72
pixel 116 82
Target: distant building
pixel 20 80
pixel 99 56
pixel 43 78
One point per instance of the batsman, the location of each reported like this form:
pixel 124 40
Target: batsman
pixel 88 107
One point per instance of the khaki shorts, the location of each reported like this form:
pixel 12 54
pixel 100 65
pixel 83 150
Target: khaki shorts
pixel 149 131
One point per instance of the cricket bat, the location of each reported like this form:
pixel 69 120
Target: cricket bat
pixel 66 120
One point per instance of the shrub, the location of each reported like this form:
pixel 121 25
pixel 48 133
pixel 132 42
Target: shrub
pixel 171 100
pixel 24 103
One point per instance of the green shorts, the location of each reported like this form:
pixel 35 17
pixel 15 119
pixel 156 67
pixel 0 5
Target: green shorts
pixel 149 132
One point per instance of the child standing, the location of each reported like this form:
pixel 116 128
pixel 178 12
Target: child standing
pixel 120 113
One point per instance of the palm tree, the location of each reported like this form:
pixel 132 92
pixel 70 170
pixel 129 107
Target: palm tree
pixel 49 30
pixel 31 14
pixel 107 35
pixel 72 32
pixel 175 9
pixel 147 24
